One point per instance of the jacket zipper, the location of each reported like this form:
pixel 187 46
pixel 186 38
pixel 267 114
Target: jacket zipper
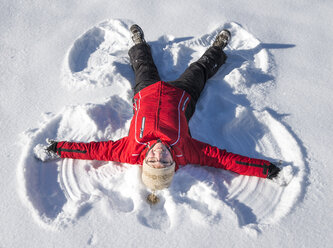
pixel 70 150
pixel 185 103
pixel 142 127
pixel 179 109
pixel 135 105
pixel 265 167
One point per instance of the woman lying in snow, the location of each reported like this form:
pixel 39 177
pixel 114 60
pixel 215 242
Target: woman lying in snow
pixel 159 138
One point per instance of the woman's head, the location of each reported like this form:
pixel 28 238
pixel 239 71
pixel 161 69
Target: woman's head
pixel 158 167
pixel 159 156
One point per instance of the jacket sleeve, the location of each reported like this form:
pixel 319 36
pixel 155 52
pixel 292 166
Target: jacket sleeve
pixel 103 150
pixel 218 158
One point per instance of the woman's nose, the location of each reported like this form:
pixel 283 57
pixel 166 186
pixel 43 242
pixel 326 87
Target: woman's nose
pixel 159 152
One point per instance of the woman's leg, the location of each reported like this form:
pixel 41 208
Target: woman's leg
pixel 194 78
pixel 143 65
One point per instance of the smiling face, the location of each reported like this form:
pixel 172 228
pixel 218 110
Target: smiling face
pixel 159 156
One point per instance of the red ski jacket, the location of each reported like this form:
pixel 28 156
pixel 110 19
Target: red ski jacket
pixel 159 114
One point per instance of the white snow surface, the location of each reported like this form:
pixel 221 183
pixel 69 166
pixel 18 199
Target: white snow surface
pixel 65 75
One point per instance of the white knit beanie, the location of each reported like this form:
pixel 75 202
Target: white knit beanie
pixel 157 178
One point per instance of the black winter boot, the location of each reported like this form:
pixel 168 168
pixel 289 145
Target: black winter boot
pixel 138 35
pixel 222 39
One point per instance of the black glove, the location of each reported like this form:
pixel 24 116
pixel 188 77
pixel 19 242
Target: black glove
pixel 46 152
pixel 273 171
pixel 52 145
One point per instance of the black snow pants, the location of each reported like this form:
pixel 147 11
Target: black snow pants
pixel 192 80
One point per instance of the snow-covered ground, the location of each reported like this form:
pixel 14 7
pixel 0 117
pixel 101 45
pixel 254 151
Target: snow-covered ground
pixel 65 75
